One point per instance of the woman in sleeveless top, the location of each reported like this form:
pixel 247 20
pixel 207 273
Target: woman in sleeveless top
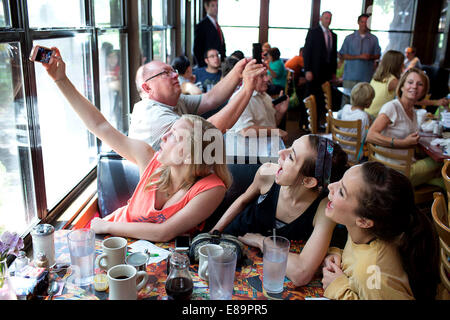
pixel 392 250
pixel 286 196
pixel 385 80
pixel 177 192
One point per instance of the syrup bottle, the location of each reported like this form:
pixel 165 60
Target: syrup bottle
pixel 179 285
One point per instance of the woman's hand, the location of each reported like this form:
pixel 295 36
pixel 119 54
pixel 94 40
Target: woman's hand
pixel 99 225
pixel 332 258
pixel 56 68
pixel 253 240
pixel 409 141
pixel 330 274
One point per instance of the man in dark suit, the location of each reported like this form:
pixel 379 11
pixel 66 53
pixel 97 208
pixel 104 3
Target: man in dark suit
pixel 320 58
pixel 208 34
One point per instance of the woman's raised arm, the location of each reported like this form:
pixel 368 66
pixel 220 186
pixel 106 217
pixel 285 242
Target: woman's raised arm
pixel 136 151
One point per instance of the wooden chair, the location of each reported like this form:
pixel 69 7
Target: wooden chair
pixel 326 88
pixel 311 109
pixel 427 97
pixel 290 82
pixel 347 138
pixel 445 175
pixel 439 212
pixel 422 193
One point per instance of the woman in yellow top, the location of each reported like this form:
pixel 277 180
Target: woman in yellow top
pixel 392 251
pixel 385 80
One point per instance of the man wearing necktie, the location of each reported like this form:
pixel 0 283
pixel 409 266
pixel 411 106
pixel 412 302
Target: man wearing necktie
pixel 208 34
pixel 320 58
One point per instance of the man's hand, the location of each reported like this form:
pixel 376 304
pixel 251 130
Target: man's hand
pixel 240 66
pixel 250 74
pixel 309 76
pixel 282 106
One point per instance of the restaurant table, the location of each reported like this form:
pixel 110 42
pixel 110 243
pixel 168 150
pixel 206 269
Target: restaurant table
pixel 240 149
pixel 435 152
pixel 247 284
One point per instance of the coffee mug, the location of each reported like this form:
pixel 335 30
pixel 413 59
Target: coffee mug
pixel 123 282
pixel 203 251
pixel 114 253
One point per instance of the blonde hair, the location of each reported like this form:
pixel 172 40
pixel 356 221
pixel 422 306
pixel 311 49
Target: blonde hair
pixel 391 64
pixel 362 95
pixel 196 170
pixel 423 76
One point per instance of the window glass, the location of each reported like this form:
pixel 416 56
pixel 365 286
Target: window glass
pixel 288 41
pixel 143 12
pixel 107 13
pixel 17 202
pixel 4 14
pixel 345 13
pixel 159 46
pixel 69 151
pixel 393 40
pixel 113 79
pixel 56 13
pixel 290 13
pixel 157 13
pixel 392 15
pixel 239 13
pixel 240 39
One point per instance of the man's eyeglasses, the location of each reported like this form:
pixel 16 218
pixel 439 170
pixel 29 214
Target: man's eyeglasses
pixel 213 56
pixel 166 73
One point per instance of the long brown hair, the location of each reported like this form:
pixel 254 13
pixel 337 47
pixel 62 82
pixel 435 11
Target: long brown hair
pixel 196 170
pixel 387 198
pixel 390 64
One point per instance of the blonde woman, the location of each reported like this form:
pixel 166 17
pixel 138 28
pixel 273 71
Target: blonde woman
pixel 174 195
pixel 396 128
pixel 385 80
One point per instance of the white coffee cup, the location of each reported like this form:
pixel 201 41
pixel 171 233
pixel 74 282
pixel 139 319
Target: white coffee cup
pixel 214 250
pixel 114 253
pixel 123 282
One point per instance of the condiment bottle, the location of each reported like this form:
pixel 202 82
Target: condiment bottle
pixel 179 285
pixel 43 241
pixel 20 262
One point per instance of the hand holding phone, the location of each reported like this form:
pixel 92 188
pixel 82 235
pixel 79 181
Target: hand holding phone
pixel 279 99
pixel 257 52
pixel 41 54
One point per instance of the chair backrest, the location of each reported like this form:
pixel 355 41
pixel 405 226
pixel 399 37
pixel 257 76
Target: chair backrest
pixel 311 109
pixel 326 88
pixel 117 179
pixel 352 137
pixel 445 171
pixel 405 160
pixel 289 80
pixel 439 212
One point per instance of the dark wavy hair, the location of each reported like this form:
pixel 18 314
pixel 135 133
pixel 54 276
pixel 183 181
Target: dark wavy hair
pixel 339 161
pixel 388 200
pixel 181 64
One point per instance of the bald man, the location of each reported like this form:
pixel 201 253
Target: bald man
pixel 163 103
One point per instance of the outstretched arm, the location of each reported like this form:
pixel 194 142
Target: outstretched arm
pixel 136 151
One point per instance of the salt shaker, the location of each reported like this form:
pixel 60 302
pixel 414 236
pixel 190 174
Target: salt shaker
pixel 20 262
pixel 43 241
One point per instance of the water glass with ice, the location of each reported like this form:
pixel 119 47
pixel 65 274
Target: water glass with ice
pixel 221 269
pixel 276 250
pixel 82 252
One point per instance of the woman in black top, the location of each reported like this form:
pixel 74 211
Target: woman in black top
pixel 286 196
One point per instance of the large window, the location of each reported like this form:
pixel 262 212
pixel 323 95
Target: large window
pixel 392 22
pixel 239 21
pixel 289 21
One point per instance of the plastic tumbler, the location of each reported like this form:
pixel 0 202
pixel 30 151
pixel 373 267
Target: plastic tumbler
pixel 276 250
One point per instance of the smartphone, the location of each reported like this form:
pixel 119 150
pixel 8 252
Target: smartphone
pixel 257 52
pixel 279 99
pixel 182 242
pixel 41 54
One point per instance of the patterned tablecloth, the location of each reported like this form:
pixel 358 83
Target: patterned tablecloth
pixel 247 285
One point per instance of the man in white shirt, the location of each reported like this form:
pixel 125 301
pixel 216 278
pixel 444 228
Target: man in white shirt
pixel 260 113
pixel 163 102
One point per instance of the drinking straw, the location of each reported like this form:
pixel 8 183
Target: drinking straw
pixel 274 235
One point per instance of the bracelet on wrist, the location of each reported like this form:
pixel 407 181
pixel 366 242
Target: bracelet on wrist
pixel 392 142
